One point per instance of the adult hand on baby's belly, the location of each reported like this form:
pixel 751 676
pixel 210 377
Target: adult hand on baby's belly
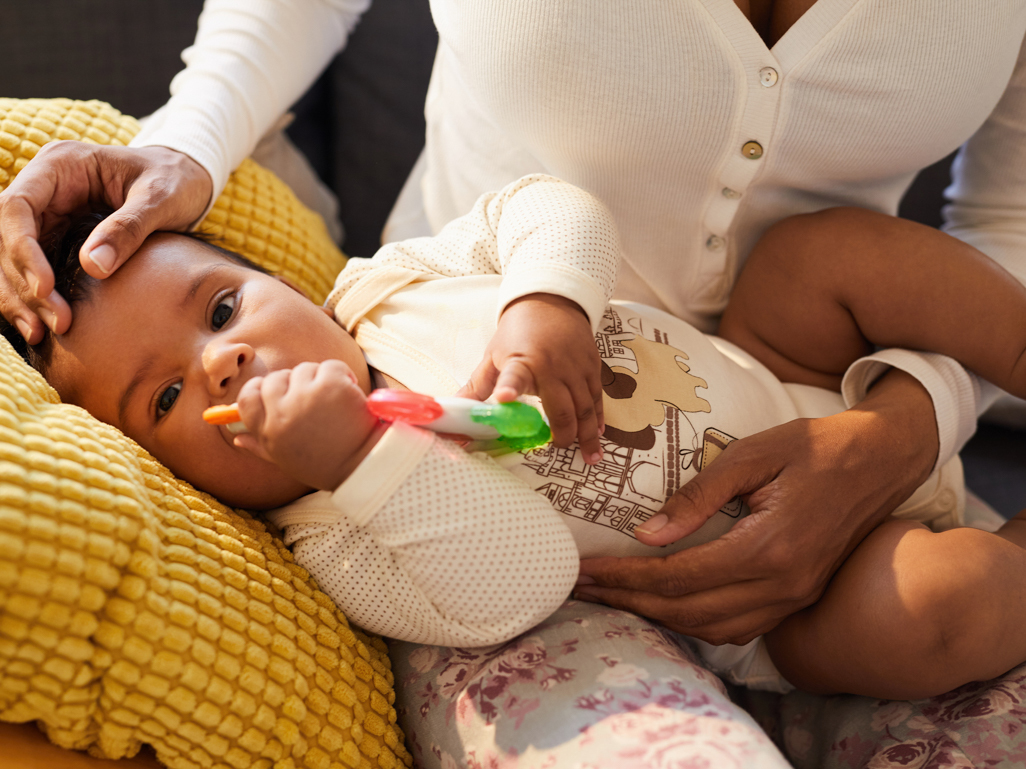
pixel 815 487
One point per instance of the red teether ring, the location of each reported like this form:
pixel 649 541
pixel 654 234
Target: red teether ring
pixel 403 406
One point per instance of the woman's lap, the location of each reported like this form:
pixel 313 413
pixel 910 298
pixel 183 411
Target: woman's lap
pixel 590 686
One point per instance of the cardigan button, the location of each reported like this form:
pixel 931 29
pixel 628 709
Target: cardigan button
pixel 768 77
pixel 752 150
pixel 730 194
pixel 715 243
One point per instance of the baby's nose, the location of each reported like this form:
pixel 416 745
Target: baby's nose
pixel 222 363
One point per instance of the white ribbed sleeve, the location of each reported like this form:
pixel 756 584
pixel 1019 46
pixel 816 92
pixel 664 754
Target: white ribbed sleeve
pixel 955 392
pixel 988 189
pixel 251 60
pixel 427 543
pixel 540 234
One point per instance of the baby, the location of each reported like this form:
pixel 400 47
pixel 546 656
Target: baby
pixel 417 539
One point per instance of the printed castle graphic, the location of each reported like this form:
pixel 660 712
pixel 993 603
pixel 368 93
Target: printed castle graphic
pixel 630 484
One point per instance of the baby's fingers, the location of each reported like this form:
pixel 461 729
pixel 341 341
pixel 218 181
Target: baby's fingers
pixel 481 383
pixel 589 424
pixel 514 380
pixel 248 443
pixel 251 407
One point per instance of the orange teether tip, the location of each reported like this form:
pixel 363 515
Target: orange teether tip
pixel 222 415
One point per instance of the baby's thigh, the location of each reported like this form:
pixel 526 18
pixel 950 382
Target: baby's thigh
pixel 589 686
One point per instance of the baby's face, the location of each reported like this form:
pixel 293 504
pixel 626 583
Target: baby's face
pixel 180 328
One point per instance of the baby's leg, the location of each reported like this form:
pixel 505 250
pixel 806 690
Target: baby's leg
pixel 912 614
pixel 819 290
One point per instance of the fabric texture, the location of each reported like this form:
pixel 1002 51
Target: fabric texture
pixel 590 686
pixel 134 609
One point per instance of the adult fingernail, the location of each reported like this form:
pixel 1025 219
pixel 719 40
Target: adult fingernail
pixel 103 257
pixel 654 524
pixel 23 328
pixel 33 281
pixel 584 579
pixel 594 458
pixel 48 318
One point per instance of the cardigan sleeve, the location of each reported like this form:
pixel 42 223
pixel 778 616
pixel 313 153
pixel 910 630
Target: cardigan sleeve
pixel 541 234
pixel 251 60
pixel 988 211
pixel 427 543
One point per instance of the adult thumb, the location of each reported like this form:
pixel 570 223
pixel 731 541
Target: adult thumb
pixel 700 499
pixel 119 236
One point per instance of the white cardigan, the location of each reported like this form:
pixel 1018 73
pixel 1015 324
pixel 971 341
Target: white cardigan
pixel 675 114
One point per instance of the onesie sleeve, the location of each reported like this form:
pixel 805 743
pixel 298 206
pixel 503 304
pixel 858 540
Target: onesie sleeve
pixel 251 60
pixel 430 544
pixel 954 392
pixel 541 234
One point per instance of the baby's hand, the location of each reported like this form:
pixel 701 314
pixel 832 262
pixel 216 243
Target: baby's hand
pixel 544 346
pixel 312 421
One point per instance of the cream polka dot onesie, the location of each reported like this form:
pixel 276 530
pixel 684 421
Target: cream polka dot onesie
pixel 429 543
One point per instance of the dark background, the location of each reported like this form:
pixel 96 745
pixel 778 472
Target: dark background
pixel 361 125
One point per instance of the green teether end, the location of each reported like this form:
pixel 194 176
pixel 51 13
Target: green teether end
pixel 511 420
pixel 522 443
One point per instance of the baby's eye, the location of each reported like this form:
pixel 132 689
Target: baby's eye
pixel 223 312
pixel 168 398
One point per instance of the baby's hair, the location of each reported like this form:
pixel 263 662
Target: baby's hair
pixel 61 247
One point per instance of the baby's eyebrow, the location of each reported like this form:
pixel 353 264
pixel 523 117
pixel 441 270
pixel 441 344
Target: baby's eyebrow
pixel 126 396
pixel 199 280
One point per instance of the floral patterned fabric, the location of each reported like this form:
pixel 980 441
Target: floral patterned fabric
pixel 589 687
pixel 977 725
pixel 599 688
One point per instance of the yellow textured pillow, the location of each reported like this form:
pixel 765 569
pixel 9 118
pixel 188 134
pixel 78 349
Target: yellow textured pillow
pixel 134 609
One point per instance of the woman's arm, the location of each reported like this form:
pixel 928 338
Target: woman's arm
pixel 252 59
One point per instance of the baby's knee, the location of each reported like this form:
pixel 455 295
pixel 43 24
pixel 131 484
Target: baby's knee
pixel 950 591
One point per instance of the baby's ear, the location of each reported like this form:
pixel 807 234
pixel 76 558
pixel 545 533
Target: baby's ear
pixel 291 285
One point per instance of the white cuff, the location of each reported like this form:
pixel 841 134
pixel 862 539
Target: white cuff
pixel 955 393
pixel 558 279
pixel 189 133
pixel 382 472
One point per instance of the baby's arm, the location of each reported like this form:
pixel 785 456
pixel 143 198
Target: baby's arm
pixel 557 250
pixel 820 290
pixel 418 540
pixel 427 543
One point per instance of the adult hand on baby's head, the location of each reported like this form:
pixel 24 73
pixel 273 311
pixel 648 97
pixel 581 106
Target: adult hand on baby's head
pixel 544 346
pixel 312 421
pixel 815 487
pixel 152 188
